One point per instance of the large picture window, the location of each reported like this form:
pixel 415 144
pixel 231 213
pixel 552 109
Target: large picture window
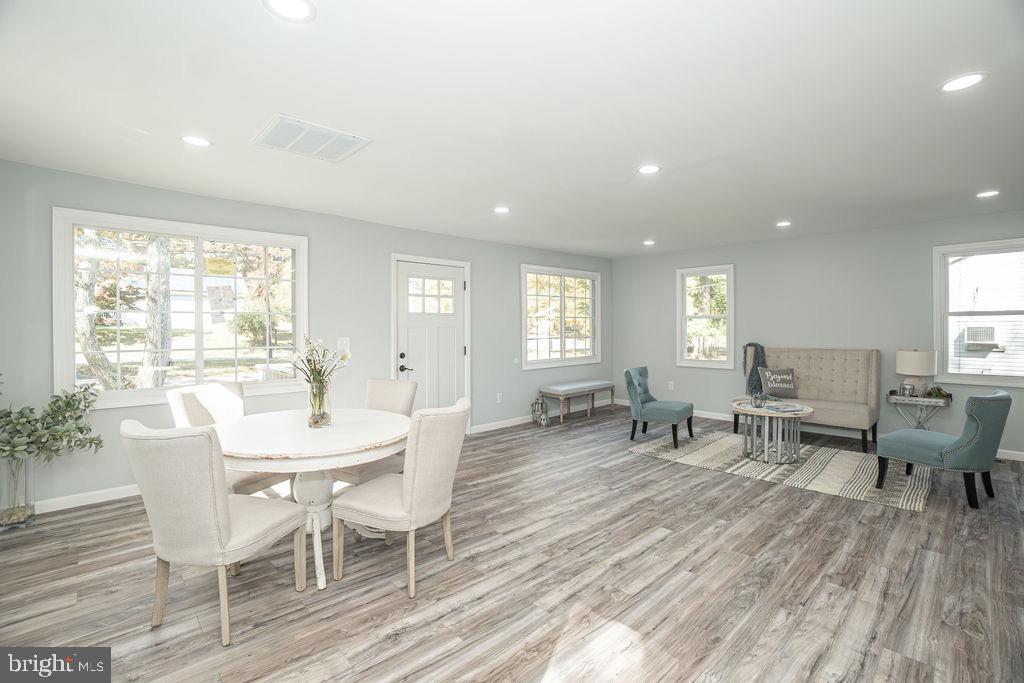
pixel 141 305
pixel 979 317
pixel 561 317
pixel 705 306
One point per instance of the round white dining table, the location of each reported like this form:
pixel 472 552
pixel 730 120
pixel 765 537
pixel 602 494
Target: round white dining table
pixel 282 441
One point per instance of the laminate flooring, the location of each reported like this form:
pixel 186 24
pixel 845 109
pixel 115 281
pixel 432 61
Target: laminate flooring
pixel 575 560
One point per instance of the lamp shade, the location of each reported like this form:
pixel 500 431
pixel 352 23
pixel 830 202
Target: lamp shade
pixel 915 363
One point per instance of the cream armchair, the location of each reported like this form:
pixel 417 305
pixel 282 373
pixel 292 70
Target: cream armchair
pixel 421 495
pixel 394 396
pixel 194 520
pixel 202 405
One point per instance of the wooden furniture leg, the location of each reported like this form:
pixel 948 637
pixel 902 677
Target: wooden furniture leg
pixel 590 402
pixel 163 571
pixel 972 493
pixel 864 440
pixel 689 426
pixel 234 568
pixel 561 410
pixel 675 436
pixel 883 465
pixel 910 468
pixel 986 480
pixel 222 585
pixel 611 407
pixel 410 561
pixel 632 432
pixel 299 551
pixel 389 538
pixel 338 547
pixel 446 528
pixel 568 405
pixel 643 430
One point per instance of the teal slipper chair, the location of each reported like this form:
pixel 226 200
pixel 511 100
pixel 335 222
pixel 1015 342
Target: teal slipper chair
pixel 973 451
pixel 645 408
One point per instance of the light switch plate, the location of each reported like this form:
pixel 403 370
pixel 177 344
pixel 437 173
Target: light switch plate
pixel 344 346
pixel 671 386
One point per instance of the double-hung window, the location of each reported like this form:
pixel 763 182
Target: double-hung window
pixel 561 317
pixel 705 308
pixel 979 312
pixel 141 305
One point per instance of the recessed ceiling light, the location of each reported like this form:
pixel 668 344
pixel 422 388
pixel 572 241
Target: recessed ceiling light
pixel 648 169
pixel 986 194
pixel 292 10
pixel 962 82
pixel 501 209
pixel 648 243
pixel 196 141
pixel 783 224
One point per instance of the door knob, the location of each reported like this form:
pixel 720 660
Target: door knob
pixel 402 368
pixel 402 354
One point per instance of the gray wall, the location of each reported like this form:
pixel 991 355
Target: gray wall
pixel 863 289
pixel 349 274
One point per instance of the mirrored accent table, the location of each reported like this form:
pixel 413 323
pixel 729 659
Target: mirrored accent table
pixel 771 434
pixel 918 410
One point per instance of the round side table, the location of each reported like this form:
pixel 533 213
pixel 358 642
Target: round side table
pixel 771 434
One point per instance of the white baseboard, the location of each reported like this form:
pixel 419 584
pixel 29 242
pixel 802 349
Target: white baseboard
pixel 87 498
pixel 1007 454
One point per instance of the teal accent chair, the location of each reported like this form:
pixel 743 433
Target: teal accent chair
pixel 973 451
pixel 645 408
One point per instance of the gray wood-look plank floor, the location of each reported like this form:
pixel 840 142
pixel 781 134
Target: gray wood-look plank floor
pixel 575 560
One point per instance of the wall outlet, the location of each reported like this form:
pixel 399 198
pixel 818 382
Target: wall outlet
pixel 671 385
pixel 499 397
pixel 515 361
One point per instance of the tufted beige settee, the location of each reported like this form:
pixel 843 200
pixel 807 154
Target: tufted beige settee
pixel 842 385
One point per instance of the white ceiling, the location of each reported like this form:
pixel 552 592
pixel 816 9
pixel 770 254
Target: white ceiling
pixel 824 113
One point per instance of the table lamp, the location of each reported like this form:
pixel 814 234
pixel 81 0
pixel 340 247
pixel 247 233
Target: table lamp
pixel 917 366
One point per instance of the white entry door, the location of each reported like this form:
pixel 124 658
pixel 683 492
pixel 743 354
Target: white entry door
pixel 430 333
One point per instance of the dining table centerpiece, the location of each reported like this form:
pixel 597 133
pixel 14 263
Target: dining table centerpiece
pixel 317 365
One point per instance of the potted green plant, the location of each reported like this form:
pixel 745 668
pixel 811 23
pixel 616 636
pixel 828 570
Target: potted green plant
pixel 26 437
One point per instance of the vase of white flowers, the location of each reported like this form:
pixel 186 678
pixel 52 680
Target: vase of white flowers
pixel 317 364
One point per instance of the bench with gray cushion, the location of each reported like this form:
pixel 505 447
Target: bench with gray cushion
pixel 841 385
pixel 566 391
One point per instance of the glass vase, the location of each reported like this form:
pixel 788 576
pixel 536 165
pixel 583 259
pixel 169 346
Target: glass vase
pixel 17 502
pixel 319 404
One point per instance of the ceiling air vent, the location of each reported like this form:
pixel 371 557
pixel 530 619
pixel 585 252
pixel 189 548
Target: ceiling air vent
pixel 294 135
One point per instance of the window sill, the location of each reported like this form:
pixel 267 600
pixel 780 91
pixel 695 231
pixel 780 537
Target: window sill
pixel 707 364
pixel 547 365
pixel 982 380
pixel 108 400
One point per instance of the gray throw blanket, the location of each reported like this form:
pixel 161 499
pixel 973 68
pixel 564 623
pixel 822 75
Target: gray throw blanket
pixel 753 376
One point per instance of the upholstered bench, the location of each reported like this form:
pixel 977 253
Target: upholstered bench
pixel 567 391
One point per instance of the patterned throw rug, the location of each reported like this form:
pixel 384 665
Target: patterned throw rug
pixel 823 469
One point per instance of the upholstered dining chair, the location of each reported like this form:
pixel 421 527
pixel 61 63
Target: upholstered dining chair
pixel 973 451
pixel 193 518
pixel 394 396
pixel 202 405
pixel 645 408
pixel 421 495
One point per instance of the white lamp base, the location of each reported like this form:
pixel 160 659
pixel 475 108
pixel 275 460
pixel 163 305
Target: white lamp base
pixel 920 384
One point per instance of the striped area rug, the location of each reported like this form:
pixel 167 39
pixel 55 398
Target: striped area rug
pixel 823 469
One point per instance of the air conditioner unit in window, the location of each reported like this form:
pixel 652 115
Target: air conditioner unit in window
pixel 981 339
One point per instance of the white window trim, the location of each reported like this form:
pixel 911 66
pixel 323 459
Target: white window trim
pixel 64 221
pixel 940 291
pixel 593 359
pixel 730 287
